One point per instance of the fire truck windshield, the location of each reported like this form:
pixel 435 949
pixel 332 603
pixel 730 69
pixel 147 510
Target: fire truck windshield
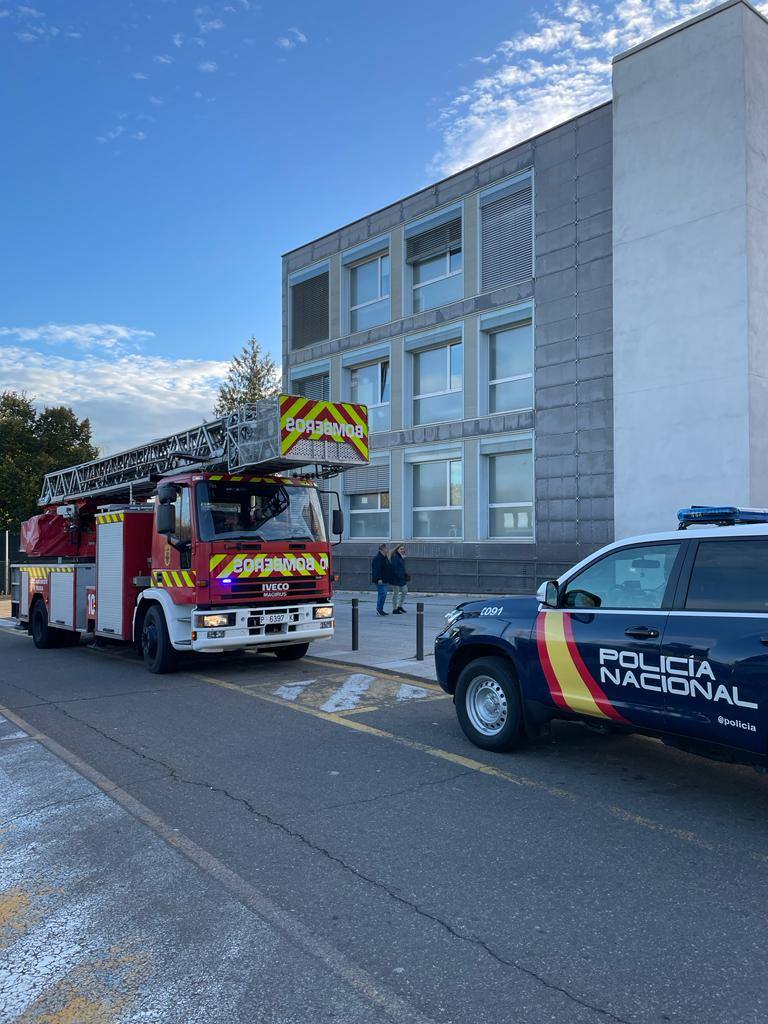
pixel 258 510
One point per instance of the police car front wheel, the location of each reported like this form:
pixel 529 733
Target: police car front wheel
pixel 488 704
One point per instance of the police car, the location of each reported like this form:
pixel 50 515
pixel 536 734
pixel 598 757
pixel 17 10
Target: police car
pixel 665 634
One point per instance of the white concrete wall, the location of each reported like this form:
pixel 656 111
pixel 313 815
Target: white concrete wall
pixel 756 81
pixel 690 267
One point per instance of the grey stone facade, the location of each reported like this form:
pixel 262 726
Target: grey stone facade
pixel 571 423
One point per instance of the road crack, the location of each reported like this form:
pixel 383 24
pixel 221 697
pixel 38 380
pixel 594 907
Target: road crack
pixel 263 816
pixel 395 792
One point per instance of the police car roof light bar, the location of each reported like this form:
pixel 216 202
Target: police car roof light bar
pixel 719 515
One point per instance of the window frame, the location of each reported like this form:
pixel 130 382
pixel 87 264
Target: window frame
pixel 491 383
pixel 374 405
pixel 485 491
pixel 371 302
pixel 447 346
pixel 443 277
pixel 448 460
pixel 671 592
pixel 370 511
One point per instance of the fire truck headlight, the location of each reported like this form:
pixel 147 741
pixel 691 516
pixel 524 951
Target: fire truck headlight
pixel 325 611
pixel 219 619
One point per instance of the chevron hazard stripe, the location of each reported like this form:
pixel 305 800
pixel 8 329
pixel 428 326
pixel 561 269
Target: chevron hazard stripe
pixel 305 419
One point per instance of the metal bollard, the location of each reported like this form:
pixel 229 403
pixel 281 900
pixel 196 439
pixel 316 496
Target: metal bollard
pixel 420 631
pixel 355 624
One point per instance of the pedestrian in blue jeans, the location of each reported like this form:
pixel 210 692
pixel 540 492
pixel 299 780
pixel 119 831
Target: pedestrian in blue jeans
pixel 380 576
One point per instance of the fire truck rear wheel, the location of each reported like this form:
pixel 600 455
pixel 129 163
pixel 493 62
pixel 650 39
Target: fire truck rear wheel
pixel 43 636
pixel 159 656
pixel 292 652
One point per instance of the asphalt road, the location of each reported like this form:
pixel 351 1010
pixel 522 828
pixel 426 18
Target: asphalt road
pixel 247 841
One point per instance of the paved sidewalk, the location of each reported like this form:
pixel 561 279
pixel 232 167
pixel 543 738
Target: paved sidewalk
pixel 386 643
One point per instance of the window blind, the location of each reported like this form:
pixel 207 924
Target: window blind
pixel 309 311
pixel 507 233
pixel 316 387
pixel 433 241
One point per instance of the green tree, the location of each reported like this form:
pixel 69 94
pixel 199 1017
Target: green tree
pixel 252 375
pixel 31 445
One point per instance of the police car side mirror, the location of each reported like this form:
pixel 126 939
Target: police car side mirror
pixel 548 593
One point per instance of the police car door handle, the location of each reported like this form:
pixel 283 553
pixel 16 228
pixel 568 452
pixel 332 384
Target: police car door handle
pixel 642 632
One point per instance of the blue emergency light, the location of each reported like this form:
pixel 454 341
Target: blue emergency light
pixel 720 515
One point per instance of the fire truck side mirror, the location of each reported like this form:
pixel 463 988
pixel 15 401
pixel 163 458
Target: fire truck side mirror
pixel 167 493
pixel 337 522
pixel 166 519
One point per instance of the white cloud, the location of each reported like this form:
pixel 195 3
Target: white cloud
pixel 129 398
pixel 213 25
pixel 139 136
pixel 291 39
pixel 536 79
pixel 140 76
pixel 208 66
pixel 178 39
pixel 28 12
pixel 82 336
pixel 163 58
pixel 156 100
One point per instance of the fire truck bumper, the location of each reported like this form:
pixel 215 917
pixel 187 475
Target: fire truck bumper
pixel 226 629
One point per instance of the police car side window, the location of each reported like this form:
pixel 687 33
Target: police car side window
pixel 730 576
pixel 628 578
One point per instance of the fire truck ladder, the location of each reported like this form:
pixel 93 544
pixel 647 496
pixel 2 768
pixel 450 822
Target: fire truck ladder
pixel 249 436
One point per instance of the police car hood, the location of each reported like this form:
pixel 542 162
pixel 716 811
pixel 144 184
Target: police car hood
pixel 521 607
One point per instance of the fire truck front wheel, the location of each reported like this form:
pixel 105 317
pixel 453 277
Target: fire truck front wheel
pixel 159 656
pixel 292 652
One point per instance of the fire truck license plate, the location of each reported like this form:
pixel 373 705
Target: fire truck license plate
pixel 274 619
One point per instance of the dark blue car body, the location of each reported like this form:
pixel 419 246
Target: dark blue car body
pixel 675 644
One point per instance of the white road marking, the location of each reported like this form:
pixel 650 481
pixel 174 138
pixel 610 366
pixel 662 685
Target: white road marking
pixel 349 693
pixel 408 692
pixel 293 690
pixel 14 736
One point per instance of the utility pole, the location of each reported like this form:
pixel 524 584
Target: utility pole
pixel 7 584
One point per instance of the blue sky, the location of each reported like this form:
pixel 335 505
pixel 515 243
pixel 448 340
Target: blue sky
pixel 161 155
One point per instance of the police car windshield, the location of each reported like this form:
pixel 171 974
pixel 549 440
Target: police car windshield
pixel 258 510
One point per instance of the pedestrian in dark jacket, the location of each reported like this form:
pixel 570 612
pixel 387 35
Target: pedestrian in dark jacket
pixel 399 578
pixel 380 577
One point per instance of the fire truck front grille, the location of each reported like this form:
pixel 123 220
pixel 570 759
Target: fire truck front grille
pixel 260 588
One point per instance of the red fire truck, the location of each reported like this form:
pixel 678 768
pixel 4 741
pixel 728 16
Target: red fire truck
pixel 212 539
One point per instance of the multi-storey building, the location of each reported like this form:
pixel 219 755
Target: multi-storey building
pixel 565 342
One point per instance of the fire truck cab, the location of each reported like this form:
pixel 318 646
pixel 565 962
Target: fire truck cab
pixel 206 558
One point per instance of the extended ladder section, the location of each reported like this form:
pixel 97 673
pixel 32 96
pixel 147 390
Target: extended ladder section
pixel 287 432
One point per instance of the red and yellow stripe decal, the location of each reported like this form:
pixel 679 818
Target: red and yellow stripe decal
pixel 345 414
pixel 173 578
pixel 267 565
pixel 571 684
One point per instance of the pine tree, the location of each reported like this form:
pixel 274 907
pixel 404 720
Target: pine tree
pixel 252 375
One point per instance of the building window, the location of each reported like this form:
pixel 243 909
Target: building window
pixel 438 384
pixel 317 387
pixel 369 514
pixel 437 499
pixel 510 368
pixel 436 261
pixel 309 311
pixel 506 225
pixel 369 385
pixel 510 495
pixel 369 293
